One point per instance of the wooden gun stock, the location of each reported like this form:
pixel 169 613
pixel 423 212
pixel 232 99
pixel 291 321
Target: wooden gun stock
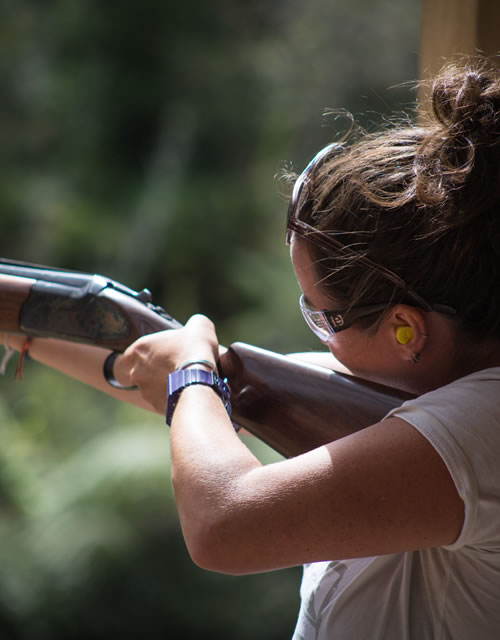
pixel 293 406
pixel 288 404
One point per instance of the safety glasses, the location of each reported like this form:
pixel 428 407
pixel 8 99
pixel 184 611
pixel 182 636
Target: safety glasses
pixel 328 322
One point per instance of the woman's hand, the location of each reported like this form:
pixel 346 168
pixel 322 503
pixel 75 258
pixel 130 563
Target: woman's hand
pixel 12 340
pixel 149 360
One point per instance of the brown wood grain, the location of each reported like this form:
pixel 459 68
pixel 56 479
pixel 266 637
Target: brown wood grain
pixel 295 407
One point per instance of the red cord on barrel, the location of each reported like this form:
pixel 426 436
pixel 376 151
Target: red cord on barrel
pixel 24 353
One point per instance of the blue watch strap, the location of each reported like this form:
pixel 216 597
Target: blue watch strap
pixel 180 379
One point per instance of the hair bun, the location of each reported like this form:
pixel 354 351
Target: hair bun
pixel 460 147
pixel 466 99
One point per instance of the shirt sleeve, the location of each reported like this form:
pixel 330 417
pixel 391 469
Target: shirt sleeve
pixel 462 422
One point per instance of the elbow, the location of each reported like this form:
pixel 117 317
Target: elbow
pixel 213 546
pixel 218 524
pixel 210 560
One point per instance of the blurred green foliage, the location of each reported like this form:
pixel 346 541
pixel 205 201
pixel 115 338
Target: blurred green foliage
pixel 142 141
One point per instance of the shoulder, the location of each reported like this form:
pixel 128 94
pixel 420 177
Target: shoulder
pixel 462 422
pixel 463 409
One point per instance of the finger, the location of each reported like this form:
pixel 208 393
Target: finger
pixel 200 322
pixel 200 337
pixel 122 370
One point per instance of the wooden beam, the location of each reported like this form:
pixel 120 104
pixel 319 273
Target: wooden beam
pixel 450 27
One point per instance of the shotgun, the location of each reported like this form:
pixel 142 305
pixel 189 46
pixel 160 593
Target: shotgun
pixel 291 406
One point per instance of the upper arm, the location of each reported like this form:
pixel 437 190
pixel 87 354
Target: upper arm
pixel 407 499
pixel 381 490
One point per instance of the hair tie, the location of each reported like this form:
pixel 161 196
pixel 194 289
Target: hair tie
pixel 109 375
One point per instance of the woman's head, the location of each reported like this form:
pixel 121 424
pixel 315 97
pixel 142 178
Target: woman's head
pixel 416 206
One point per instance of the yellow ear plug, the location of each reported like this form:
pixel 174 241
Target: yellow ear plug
pixel 404 334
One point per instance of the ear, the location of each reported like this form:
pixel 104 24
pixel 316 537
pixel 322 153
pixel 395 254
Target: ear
pixel 409 330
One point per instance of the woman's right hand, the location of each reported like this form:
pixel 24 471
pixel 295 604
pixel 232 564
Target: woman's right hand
pixel 148 361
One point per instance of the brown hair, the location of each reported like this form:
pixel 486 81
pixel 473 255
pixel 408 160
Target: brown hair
pixel 423 202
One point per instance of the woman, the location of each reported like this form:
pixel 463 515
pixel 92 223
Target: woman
pixel 395 241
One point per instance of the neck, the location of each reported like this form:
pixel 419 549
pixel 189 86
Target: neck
pixel 445 366
pixel 478 356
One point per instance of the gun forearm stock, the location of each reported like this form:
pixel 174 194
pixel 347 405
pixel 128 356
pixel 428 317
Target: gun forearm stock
pixel 78 307
pixel 15 292
pixel 293 406
pixel 107 319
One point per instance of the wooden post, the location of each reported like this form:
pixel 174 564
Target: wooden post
pixel 450 27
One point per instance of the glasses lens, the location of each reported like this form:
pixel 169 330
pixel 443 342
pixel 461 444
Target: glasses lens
pixel 316 321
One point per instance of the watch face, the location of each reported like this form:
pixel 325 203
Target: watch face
pixel 224 391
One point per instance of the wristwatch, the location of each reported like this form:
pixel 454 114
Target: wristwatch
pixel 182 378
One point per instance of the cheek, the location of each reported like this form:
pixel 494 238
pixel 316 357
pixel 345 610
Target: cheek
pixel 352 348
pixel 339 347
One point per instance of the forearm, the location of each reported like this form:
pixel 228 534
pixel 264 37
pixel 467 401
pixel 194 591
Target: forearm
pixel 82 362
pixel 238 516
pixel 208 463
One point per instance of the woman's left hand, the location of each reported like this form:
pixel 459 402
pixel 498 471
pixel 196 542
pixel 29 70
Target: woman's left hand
pixel 148 361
